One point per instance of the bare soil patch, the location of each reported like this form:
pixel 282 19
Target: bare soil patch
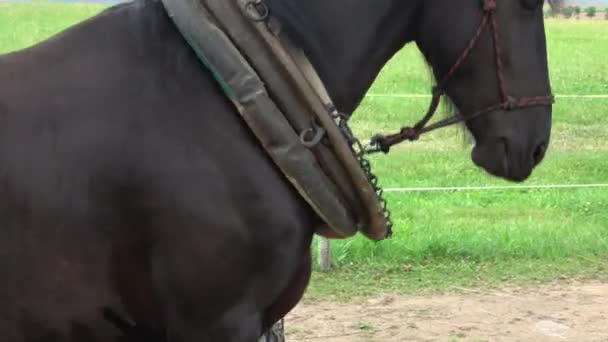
pixel 565 311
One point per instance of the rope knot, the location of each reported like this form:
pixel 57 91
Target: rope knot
pixel 378 142
pixel 409 133
pixel 489 5
pixel 511 103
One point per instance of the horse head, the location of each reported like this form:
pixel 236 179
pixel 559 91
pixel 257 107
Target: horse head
pixel 492 55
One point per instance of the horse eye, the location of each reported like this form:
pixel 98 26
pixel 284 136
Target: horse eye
pixel 532 4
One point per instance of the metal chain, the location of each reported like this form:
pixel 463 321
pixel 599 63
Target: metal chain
pixel 361 151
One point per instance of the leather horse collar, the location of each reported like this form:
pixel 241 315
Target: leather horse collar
pixel 281 98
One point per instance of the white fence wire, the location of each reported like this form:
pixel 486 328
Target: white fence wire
pixel 506 187
pixel 563 96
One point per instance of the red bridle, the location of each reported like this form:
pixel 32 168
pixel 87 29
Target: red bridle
pixel 381 143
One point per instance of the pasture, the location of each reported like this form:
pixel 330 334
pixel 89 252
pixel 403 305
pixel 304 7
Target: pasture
pixel 451 239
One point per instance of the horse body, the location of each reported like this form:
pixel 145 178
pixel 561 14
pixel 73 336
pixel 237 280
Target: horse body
pixel 129 180
pixel 130 183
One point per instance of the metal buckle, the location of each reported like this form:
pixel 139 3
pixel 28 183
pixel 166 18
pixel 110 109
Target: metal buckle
pixel 257 10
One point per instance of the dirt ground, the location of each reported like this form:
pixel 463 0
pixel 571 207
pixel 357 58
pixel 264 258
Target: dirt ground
pixel 565 311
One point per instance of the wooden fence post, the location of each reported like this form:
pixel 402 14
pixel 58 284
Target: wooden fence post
pixel 324 255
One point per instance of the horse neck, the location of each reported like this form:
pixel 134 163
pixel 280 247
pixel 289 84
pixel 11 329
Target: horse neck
pixel 348 41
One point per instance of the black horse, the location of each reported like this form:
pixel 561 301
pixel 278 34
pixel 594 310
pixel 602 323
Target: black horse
pixel 130 186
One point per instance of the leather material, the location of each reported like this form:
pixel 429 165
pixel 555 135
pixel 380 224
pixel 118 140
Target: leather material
pixel 278 95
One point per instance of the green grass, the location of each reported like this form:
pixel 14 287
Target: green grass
pixel 451 239
pixel 576 51
pixel 455 239
pixel 433 276
pixel 23 24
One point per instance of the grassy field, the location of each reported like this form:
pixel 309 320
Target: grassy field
pixel 452 239
pixel 447 239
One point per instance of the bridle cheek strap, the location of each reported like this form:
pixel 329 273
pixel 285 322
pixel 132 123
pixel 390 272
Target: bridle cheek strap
pixel 383 143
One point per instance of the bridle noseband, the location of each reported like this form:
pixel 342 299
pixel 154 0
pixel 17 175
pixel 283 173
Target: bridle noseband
pixel 382 143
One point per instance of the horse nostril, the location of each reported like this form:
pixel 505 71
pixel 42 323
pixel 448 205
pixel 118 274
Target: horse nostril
pixel 539 153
